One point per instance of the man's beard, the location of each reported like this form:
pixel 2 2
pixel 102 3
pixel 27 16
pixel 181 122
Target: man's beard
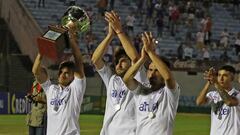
pixel 122 73
pixel 156 84
pixel 152 88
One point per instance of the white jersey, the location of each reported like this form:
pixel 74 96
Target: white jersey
pixel 226 120
pixel 156 111
pixel 119 118
pixel 63 107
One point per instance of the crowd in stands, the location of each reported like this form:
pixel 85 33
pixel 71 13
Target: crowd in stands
pixel 168 19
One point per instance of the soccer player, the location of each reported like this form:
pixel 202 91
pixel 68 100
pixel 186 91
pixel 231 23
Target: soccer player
pixel 119 118
pixel 224 101
pixel 156 102
pixel 64 100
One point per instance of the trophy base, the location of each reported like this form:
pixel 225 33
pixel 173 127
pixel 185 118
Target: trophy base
pixel 53 42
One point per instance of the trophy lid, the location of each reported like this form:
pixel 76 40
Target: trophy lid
pixel 76 14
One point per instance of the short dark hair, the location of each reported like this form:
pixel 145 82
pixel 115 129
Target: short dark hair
pixel 66 64
pixel 119 54
pixel 164 59
pixel 228 68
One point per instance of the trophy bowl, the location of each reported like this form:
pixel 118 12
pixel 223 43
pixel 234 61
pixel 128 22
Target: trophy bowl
pixel 78 16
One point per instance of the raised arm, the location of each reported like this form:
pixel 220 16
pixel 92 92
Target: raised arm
pixel 38 71
pixel 160 65
pixel 202 99
pixel 211 79
pixel 114 20
pixel 79 73
pixel 128 78
pixel 97 57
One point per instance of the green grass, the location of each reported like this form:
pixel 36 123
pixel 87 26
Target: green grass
pixel 185 124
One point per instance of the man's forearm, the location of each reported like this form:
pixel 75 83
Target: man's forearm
pixel 77 55
pixel 128 78
pixel 133 69
pixel 128 47
pixel 37 64
pixel 229 100
pixel 38 71
pixel 202 99
pixel 100 50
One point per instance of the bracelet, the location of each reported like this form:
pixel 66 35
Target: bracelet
pixel 119 32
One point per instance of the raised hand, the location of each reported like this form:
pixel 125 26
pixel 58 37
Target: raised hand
pixel 210 75
pixel 113 18
pixel 110 30
pixel 148 42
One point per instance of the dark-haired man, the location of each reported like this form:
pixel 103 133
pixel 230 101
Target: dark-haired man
pixel 119 118
pixel 156 101
pixel 224 101
pixel 64 100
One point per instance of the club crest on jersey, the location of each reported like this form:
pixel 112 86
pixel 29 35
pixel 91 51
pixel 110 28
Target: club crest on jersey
pixel 145 107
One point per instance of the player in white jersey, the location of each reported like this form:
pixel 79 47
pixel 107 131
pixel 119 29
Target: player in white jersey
pixel 64 100
pixel 119 118
pixel 224 101
pixel 156 103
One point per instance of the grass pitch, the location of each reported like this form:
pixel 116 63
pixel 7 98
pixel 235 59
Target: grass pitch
pixel 185 124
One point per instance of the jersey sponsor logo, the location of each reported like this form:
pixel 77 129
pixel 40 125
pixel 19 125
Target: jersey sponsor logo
pixel 224 111
pixel 56 101
pixel 116 94
pixel 146 107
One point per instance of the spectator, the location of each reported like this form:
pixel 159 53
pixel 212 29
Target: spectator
pixel 224 38
pixel 206 55
pixel 175 14
pixel 224 57
pixel 200 40
pixel 137 42
pixel 235 8
pixel 191 14
pixel 112 2
pixel 180 51
pixel 206 5
pixel 237 44
pixel 41 2
pixel 150 8
pixel 109 54
pixel 91 15
pixel 90 41
pixel 159 10
pixel 72 2
pixel 140 12
pixel 37 118
pixel 187 53
pixel 130 24
pixel 160 26
pixel 102 7
pixel 207 27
